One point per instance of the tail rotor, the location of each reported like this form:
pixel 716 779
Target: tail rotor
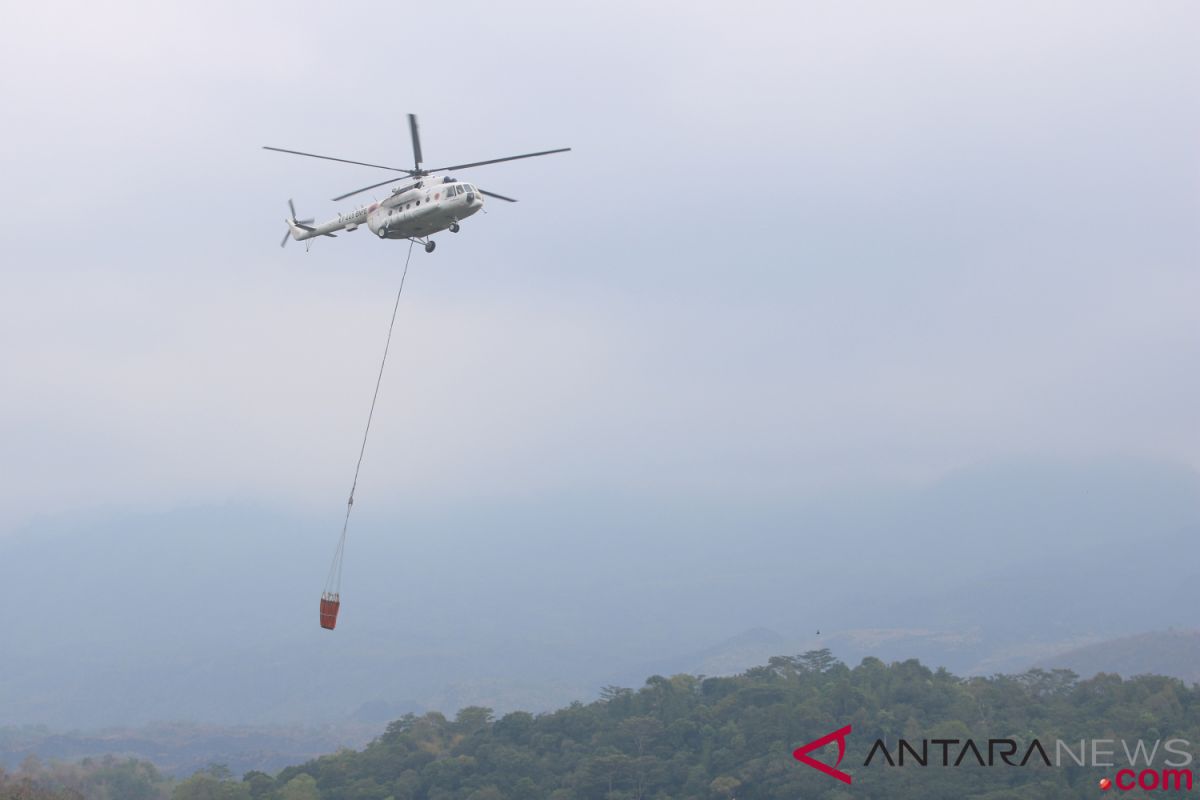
pixel 293 223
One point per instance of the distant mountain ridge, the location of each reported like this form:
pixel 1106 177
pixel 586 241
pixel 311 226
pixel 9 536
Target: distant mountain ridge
pixel 209 614
pixel 1172 653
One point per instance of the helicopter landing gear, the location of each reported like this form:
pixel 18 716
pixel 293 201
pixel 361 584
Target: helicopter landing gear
pixel 454 227
pixel 424 241
pixel 383 233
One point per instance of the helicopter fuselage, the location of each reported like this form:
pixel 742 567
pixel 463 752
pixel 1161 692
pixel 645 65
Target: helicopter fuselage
pixel 411 212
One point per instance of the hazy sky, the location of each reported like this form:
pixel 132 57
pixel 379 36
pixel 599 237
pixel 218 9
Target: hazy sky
pixel 797 245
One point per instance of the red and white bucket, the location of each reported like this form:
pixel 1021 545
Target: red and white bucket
pixel 330 603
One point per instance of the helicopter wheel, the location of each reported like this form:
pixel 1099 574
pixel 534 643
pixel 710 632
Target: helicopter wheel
pixel 429 246
pixel 382 233
pixel 454 227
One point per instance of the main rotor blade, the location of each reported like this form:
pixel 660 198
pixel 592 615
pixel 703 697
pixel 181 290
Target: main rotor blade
pixel 416 141
pixel 498 160
pixel 343 160
pixel 497 196
pixel 292 207
pixel 286 236
pixel 365 188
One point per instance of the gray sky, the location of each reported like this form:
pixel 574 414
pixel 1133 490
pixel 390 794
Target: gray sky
pixel 796 246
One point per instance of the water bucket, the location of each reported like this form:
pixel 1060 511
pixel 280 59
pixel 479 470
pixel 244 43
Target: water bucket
pixel 329 610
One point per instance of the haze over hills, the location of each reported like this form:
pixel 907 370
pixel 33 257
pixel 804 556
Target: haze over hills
pixel 1175 653
pixel 209 614
pixel 180 749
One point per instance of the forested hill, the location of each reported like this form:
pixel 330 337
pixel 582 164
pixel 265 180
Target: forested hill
pixel 715 738
pixel 694 737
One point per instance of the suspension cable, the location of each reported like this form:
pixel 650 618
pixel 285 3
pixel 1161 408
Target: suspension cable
pixel 333 583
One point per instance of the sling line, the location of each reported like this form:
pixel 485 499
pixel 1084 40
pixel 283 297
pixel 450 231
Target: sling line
pixel 331 597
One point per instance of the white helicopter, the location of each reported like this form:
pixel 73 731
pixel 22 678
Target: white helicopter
pixel 414 211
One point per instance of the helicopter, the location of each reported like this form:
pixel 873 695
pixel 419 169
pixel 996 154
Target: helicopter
pixel 413 211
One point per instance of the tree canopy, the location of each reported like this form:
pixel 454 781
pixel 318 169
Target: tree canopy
pixel 683 736
pixel 732 737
